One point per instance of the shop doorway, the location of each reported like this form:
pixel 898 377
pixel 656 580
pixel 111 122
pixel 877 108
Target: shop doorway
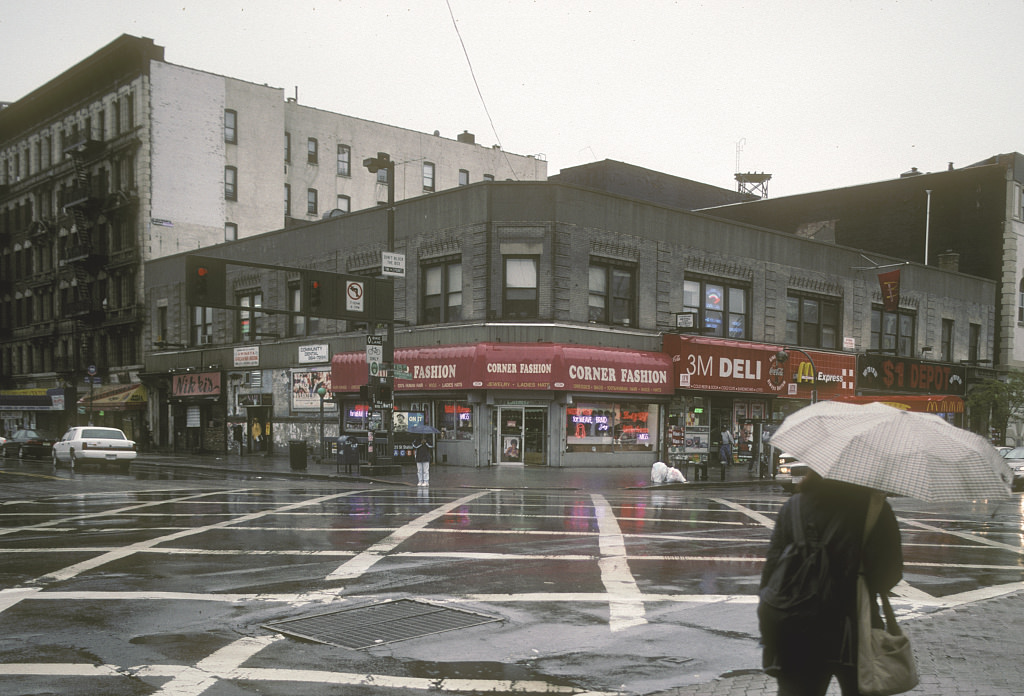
pixel 522 435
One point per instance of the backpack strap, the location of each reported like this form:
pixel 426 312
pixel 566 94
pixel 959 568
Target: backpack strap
pixel 797 521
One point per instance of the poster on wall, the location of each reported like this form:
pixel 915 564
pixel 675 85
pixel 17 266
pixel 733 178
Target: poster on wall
pixel 304 390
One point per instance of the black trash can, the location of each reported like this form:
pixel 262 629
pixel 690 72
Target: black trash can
pixel 297 454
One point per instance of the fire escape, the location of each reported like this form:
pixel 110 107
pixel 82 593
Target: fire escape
pixel 82 256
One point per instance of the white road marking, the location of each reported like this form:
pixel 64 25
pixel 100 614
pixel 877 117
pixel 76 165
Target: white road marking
pixel 758 517
pixel 965 535
pixel 116 555
pixel 625 602
pixel 367 559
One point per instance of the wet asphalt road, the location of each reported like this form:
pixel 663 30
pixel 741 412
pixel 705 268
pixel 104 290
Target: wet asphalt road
pixel 144 584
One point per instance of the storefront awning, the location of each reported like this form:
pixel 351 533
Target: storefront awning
pixel 934 403
pixel 116 397
pixel 521 366
pixel 40 399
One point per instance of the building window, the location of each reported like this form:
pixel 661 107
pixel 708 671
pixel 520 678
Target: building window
pixel 230 232
pixel 892 332
pixel 344 160
pixel 428 176
pixel 344 204
pixel 202 326
pixel 946 346
pixel 519 299
pixel 161 324
pixel 720 309
pixel 612 294
pixel 230 126
pixel 455 419
pixel 231 183
pixel 312 150
pixel 812 322
pixel 974 344
pixel 287 199
pixel 604 426
pixel 287 147
pixel 463 177
pixel 442 292
pixel 249 320
pixel 1020 301
pixel 311 204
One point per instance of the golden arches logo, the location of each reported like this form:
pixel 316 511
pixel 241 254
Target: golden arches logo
pixel 805 373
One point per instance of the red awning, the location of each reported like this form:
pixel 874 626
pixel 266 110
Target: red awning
pixel 936 403
pixel 533 366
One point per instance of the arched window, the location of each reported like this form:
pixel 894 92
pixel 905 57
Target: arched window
pixel 1020 301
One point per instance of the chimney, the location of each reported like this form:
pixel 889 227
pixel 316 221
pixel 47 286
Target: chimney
pixel 466 137
pixel 949 261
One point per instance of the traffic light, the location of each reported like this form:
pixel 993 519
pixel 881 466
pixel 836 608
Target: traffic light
pixel 365 393
pixel 205 281
pixel 384 393
pixel 315 299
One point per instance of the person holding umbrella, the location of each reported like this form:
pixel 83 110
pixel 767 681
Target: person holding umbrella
pixel 857 454
pixel 423 454
pixel 805 663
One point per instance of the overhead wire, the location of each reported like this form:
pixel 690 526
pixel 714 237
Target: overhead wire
pixel 479 92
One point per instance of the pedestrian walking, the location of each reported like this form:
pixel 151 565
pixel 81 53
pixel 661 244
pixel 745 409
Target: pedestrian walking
pixel 805 659
pixel 423 456
pixel 725 449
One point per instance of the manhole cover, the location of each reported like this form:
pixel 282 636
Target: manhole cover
pixel 388 622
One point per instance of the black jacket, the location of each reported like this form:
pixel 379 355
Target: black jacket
pixel 821 500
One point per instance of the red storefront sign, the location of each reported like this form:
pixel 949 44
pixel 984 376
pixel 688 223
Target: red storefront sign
pixel 716 364
pixel 534 366
pixel 935 403
pixel 196 384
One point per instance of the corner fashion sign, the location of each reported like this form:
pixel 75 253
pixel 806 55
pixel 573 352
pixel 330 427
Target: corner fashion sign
pixel 538 366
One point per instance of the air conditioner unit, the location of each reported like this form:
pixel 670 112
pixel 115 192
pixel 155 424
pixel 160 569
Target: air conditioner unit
pixel 205 340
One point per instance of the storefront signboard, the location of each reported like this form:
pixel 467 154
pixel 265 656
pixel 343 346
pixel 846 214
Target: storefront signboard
pixel 318 353
pixel 519 366
pixel 196 385
pixel 887 373
pixel 247 356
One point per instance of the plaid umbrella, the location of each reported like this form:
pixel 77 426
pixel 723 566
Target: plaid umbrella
pixel 918 455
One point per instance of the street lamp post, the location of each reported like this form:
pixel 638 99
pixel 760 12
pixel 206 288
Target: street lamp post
pixel 322 392
pixel 783 355
pixel 374 164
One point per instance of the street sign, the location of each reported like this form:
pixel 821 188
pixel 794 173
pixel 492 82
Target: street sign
pixel 401 371
pixel 392 264
pixel 374 354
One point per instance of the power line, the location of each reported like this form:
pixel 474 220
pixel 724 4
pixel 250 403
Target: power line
pixel 478 91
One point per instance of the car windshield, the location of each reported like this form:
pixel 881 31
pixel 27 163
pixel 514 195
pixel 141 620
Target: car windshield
pixel 104 433
pixel 1015 453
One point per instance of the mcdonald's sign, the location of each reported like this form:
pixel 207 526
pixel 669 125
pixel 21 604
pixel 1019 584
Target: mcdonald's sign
pixel 804 373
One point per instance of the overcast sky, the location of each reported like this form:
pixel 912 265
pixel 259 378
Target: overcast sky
pixel 820 94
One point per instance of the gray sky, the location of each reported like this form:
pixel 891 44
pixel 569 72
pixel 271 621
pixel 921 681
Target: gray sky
pixel 820 94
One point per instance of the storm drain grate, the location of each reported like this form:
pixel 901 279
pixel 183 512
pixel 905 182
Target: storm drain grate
pixel 388 622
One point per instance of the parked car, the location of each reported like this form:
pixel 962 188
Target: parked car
pixel 1003 449
pixel 1015 459
pixel 790 471
pixel 29 443
pixel 92 443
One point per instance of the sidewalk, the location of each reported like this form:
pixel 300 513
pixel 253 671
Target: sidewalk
pixel 974 649
pixel 441 476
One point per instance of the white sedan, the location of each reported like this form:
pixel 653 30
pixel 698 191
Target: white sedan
pixel 91 443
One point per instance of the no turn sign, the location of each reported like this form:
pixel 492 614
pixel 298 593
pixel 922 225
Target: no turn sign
pixel 354 295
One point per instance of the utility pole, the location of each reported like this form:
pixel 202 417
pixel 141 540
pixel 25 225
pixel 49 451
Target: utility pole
pixel 374 164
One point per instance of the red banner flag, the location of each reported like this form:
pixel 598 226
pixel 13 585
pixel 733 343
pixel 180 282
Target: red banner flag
pixel 890 284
